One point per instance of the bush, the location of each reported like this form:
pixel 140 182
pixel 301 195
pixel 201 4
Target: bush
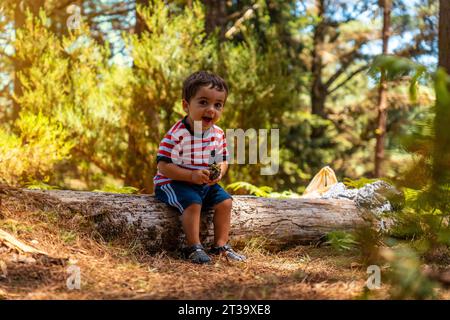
pixel 31 154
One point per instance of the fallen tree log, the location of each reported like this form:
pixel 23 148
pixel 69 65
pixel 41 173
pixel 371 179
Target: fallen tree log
pixel 279 222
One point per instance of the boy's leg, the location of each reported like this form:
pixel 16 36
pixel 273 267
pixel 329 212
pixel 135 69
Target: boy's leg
pixel 187 200
pixel 222 220
pixel 191 223
pixel 191 227
pixel 222 217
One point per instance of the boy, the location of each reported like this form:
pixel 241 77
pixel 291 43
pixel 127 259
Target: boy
pixel 185 153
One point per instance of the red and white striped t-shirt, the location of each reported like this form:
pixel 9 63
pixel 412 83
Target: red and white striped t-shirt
pixel 181 147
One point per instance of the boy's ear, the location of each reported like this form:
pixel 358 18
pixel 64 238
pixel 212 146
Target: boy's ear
pixel 185 105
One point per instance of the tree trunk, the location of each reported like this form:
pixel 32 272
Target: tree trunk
pixel 318 89
pixel 140 24
pixel 441 150
pixel 382 94
pixel 444 35
pixel 216 17
pixel 277 222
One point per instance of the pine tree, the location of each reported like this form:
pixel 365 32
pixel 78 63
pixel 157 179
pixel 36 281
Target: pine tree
pixel 380 132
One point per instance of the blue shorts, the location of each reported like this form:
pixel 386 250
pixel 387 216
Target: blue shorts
pixel 181 195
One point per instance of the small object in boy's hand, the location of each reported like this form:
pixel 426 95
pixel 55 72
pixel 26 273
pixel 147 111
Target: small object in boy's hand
pixel 214 171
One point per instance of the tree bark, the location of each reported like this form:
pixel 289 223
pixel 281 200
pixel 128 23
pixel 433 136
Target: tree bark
pixel 140 23
pixel 276 222
pixel 318 89
pixel 216 17
pixel 441 150
pixel 444 35
pixel 382 94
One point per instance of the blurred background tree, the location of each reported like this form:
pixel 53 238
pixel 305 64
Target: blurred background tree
pixel 111 87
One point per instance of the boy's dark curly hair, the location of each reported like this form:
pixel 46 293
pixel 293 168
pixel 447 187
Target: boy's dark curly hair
pixel 202 79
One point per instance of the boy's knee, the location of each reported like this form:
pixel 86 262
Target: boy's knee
pixel 194 207
pixel 225 204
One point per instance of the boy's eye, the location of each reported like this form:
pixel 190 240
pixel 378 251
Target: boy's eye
pixel 218 106
pixel 203 102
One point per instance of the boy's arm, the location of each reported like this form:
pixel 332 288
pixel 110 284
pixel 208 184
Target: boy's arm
pixel 224 168
pixel 175 172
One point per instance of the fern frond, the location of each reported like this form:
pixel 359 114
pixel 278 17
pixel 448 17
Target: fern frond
pixel 263 191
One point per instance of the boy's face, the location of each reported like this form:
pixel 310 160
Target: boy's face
pixel 206 106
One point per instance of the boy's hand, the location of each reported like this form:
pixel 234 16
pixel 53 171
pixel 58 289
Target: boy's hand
pixel 215 181
pixel 200 176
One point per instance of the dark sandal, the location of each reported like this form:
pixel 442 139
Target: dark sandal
pixel 197 254
pixel 228 252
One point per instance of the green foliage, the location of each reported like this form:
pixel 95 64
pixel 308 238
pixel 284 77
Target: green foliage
pixel 263 81
pixel 396 67
pixel 304 155
pixel 116 189
pixel 341 240
pixel 443 236
pixel 440 185
pixel 15 226
pixel 405 276
pixel 408 225
pixel 32 154
pixel 116 115
pixel 44 80
pixel 69 80
pixel 287 194
pixel 69 237
pixel 427 209
pixel 425 216
pixel 40 185
pixel 250 189
pixel 176 46
pixel 356 184
pixel 256 245
pixel 240 187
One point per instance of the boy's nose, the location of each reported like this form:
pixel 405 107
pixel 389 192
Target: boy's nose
pixel 210 108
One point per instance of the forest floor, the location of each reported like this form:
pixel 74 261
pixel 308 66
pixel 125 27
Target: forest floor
pixel 115 270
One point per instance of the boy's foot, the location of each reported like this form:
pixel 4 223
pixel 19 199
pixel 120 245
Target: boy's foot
pixel 197 254
pixel 227 251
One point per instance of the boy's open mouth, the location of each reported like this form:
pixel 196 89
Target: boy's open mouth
pixel 207 119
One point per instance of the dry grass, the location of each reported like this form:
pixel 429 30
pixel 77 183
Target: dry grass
pixel 115 270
